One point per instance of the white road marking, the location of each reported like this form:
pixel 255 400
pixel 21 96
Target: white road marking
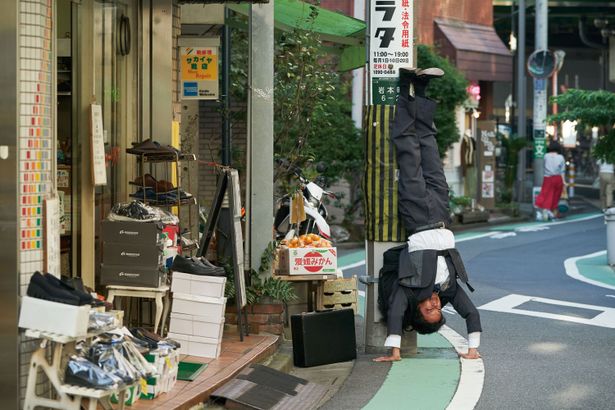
pixel 503 235
pixel 482 235
pixel 610 296
pixel 449 310
pixel 532 228
pixel 472 376
pixel 572 270
pixel 508 304
pixel 352 265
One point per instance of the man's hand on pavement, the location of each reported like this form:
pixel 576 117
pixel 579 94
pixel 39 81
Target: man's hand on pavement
pixel 395 356
pixel 472 354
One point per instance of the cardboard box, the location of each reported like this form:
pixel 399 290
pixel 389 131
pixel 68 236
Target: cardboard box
pixel 307 261
pixel 198 305
pixel 204 326
pixel 212 286
pixel 144 233
pixel 122 275
pixel 166 364
pixel 46 316
pixel 131 254
pixel 197 346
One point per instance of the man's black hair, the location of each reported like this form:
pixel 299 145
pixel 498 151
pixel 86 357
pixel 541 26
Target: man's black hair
pixel 423 327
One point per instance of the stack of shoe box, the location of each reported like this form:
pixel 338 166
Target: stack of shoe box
pixel 197 315
pixel 132 254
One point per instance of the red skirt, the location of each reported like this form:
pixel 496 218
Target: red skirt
pixel 550 192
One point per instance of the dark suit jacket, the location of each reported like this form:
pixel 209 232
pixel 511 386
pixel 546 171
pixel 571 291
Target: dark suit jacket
pixel 417 274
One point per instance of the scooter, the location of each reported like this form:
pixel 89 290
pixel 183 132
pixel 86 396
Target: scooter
pixel 315 211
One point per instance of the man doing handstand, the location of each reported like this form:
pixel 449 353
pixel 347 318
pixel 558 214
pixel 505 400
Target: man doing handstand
pixel 429 264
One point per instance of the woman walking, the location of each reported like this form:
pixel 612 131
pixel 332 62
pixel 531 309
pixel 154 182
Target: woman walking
pixel 552 184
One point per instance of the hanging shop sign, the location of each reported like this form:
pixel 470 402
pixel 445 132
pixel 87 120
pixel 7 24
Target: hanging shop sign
pixel 199 73
pixel 99 172
pixel 391 44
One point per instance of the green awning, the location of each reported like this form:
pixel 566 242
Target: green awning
pixel 347 32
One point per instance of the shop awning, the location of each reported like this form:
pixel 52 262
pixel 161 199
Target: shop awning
pixel 476 50
pixel 346 32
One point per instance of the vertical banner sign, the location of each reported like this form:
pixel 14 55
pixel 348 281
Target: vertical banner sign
pixel 99 173
pixel 540 116
pixel 391 28
pixel 199 73
pixel 52 236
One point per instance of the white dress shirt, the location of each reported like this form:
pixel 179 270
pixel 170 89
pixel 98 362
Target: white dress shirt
pixel 438 239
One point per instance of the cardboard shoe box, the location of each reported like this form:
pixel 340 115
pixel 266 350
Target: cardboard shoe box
pixel 197 346
pixel 198 305
pixel 47 316
pixel 122 275
pixel 307 261
pixel 144 233
pixel 131 254
pixel 204 326
pixel 212 286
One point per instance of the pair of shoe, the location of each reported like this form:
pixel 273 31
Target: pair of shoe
pixel 133 211
pixel 150 147
pixel 82 372
pixel 422 74
pixel 148 180
pixel 149 194
pixel 196 266
pixel 48 287
pixel 152 339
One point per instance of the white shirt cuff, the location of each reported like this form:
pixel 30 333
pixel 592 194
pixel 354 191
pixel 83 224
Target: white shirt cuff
pixel 394 341
pixel 474 340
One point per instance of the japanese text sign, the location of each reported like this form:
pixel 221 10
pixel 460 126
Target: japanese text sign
pixel 391 47
pixel 199 73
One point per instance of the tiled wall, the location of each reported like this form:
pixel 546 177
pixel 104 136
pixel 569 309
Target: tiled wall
pixel 35 141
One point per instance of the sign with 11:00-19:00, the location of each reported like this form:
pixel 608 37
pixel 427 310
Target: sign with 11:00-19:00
pixel 391 42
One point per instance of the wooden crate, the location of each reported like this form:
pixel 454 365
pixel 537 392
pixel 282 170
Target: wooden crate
pixel 340 284
pixel 339 306
pixel 337 294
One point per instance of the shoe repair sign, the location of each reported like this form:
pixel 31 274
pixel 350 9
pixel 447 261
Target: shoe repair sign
pixel 309 261
pixel 199 73
pixel 390 47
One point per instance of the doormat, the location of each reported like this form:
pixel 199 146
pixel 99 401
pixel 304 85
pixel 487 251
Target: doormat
pixel 260 387
pixel 189 371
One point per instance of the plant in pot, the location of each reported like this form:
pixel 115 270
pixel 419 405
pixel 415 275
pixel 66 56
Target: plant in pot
pixel 265 298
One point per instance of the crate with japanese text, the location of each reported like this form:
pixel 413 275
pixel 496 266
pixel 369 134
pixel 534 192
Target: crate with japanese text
pixel 307 261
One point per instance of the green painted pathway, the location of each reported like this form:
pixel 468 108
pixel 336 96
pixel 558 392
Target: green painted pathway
pixel 596 268
pixel 427 381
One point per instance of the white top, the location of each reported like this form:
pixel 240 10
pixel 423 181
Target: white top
pixel 555 164
pixel 606 168
pixel 437 239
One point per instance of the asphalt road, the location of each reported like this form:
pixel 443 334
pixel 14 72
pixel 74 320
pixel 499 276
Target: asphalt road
pixel 532 360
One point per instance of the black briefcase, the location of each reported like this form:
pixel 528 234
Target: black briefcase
pixel 323 337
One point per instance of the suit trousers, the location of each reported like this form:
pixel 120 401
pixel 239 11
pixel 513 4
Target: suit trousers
pixel 423 191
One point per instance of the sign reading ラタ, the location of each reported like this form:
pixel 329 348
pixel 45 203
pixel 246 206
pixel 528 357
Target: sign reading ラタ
pixel 199 73
pixel 391 44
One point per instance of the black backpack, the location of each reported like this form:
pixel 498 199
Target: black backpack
pixel 388 283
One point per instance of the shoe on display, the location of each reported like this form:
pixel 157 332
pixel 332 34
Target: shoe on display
pixel 187 265
pixel 433 72
pixel 133 211
pixel 149 147
pixel 84 297
pixel 81 372
pixel 146 180
pixel 42 288
pixel 111 360
pixel 207 263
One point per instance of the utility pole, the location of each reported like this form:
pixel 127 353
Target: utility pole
pixel 540 94
pixel 391 46
pixel 521 83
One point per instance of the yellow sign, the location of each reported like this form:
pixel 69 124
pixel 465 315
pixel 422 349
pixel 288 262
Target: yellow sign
pixel 199 72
